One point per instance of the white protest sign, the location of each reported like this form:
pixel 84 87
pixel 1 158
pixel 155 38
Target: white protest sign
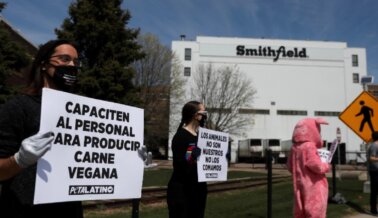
pixel 212 164
pixel 332 149
pixel 324 155
pixel 94 153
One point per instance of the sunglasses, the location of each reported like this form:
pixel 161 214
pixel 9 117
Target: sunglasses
pixel 204 113
pixel 66 59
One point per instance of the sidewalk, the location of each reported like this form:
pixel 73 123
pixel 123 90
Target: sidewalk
pixel 360 216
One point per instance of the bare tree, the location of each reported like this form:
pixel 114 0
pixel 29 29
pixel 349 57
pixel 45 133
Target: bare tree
pixel 224 91
pixel 154 69
pixel 176 94
pixel 152 75
pixel 157 77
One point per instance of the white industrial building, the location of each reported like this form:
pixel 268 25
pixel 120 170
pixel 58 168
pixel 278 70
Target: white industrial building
pixel 294 79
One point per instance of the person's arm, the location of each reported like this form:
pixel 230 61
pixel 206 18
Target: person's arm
pixel 8 168
pixel 313 161
pixel 12 118
pixel 31 150
pixel 372 153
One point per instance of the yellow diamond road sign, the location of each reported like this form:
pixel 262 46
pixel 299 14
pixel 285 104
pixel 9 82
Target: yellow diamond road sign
pixel 362 116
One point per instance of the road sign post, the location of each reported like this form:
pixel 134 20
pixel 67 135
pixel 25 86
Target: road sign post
pixel 360 117
pixel 338 137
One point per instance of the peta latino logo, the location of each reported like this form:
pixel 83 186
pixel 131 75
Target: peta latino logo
pixel 90 189
pixel 211 175
pixel 269 52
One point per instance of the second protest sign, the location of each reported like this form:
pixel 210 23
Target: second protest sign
pixel 212 164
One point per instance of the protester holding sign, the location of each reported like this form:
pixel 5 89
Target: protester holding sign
pixel 372 157
pixel 55 66
pixel 309 180
pixel 186 197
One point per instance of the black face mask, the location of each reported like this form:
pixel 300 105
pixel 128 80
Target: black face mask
pixel 65 77
pixel 203 121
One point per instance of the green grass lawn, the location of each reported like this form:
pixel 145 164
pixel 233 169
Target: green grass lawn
pixel 250 202
pixel 160 177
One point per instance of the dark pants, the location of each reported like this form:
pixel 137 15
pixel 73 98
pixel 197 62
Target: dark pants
pixel 373 191
pixel 186 200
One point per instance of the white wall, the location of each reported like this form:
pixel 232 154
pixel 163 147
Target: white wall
pixel 322 81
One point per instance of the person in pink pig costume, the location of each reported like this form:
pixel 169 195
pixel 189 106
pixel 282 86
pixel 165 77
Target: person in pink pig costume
pixel 309 180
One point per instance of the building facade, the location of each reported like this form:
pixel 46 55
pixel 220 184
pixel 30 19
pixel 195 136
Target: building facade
pixel 294 79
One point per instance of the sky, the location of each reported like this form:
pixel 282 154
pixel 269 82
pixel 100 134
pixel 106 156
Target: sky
pixel 352 21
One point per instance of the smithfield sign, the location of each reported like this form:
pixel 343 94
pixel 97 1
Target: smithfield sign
pixel 261 51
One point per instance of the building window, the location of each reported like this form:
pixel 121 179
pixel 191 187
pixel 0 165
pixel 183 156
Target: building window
pixel 372 89
pixel 355 60
pixel 188 54
pixel 253 111
pixel 187 71
pixel 291 112
pixel 219 110
pixel 356 78
pixel 327 113
pixel 273 142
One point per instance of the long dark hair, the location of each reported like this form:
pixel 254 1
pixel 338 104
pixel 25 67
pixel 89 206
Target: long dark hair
pixel 35 81
pixel 188 111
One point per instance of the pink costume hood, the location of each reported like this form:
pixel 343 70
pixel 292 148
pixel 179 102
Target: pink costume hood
pixel 308 130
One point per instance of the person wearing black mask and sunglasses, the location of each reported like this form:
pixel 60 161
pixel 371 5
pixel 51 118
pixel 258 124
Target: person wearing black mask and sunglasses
pixel 186 197
pixel 55 66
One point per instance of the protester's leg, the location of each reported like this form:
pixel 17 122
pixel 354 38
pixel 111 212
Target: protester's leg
pixel 176 201
pixel 315 202
pixel 202 201
pixel 373 191
pixel 197 194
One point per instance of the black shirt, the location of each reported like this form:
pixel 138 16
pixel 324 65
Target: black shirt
pixel 19 119
pixel 183 169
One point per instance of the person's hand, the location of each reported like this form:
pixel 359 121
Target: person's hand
pixel 196 152
pixel 142 152
pixel 33 148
